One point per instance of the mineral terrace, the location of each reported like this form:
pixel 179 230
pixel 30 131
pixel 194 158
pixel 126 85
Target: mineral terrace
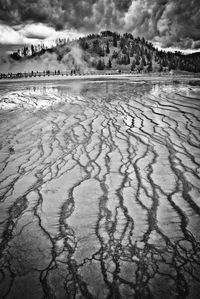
pixel 100 190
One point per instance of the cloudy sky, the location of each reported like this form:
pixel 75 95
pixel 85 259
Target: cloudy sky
pixel 166 23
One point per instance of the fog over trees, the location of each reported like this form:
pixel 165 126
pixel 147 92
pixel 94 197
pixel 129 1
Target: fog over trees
pixel 110 50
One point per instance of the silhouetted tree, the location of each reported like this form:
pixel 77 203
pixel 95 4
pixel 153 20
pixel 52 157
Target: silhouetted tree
pixel 83 44
pixel 32 50
pixel 149 67
pixel 133 65
pixel 109 64
pixel 107 47
pixel 100 65
pixel 25 51
pixel 115 54
pixel 137 60
pixel 96 46
pixel 114 40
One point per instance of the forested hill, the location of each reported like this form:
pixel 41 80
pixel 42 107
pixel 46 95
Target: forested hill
pixel 109 50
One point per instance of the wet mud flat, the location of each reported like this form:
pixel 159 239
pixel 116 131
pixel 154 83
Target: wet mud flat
pixel 100 190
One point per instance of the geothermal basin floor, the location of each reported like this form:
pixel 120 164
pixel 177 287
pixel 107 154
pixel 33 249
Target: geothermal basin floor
pixel 99 190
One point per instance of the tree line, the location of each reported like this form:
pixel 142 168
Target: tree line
pixel 111 50
pixel 33 50
pixel 135 53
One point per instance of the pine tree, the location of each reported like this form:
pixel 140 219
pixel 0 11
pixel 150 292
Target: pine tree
pixel 32 50
pixel 100 65
pixel 101 51
pixel 137 60
pixel 133 65
pixel 25 51
pixel 143 60
pixel 107 48
pixel 114 40
pixel 83 44
pixel 149 67
pixel 115 54
pixel 122 43
pixel 96 46
pixel 141 67
pixel 109 64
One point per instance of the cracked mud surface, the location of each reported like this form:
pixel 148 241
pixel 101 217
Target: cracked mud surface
pixel 100 191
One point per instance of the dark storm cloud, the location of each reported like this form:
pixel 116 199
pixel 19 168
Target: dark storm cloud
pixel 181 23
pixel 172 23
pixel 20 11
pixel 168 22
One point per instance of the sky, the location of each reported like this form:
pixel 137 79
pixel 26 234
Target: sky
pixel 168 24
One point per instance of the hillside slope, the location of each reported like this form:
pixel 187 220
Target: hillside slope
pixel 109 50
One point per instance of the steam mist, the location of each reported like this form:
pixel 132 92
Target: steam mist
pixel 74 59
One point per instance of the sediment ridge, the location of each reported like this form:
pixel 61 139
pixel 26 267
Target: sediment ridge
pixel 100 191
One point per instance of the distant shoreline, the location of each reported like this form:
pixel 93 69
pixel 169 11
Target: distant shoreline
pixel 137 77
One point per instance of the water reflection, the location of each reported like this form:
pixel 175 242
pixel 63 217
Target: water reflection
pixel 99 192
